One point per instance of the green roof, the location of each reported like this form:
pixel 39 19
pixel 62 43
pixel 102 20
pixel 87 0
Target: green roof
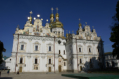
pixel 108 53
pixel 5 57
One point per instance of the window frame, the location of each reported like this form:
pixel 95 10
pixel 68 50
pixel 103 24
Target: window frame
pixel 22 46
pixel 37 48
pixel 36 61
pixel 49 48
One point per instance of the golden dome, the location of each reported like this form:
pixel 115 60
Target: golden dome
pixel 57 24
pixel 56 15
pixel 79 24
pixel 52 15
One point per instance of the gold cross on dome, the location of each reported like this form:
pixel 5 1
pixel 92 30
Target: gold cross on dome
pixel 79 20
pixel 72 31
pixel 57 10
pixel 86 23
pixel 52 9
pixel 31 13
pixel 93 27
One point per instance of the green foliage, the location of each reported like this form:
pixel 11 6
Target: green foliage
pixel 1 50
pixel 1 56
pixel 115 33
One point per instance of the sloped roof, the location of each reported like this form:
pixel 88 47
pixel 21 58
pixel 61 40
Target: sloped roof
pixel 5 57
pixel 108 53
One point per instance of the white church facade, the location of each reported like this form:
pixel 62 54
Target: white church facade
pixel 38 48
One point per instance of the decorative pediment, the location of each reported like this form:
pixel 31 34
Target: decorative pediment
pixel 49 44
pixel 36 42
pixel 23 42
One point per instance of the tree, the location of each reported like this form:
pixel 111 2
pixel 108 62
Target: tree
pixel 115 33
pixel 2 49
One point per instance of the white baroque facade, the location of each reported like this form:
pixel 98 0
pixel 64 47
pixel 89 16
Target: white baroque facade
pixel 38 48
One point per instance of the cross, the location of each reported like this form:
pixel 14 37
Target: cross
pixel 66 30
pixel 17 26
pixel 52 9
pixel 79 20
pixel 31 13
pixel 93 27
pixel 72 31
pixel 57 10
pixel 86 23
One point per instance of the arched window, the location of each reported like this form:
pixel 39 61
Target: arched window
pixel 59 51
pixel 22 47
pixel 49 61
pixel 49 48
pixel 89 49
pixel 35 60
pixel 79 49
pixel 36 48
pixel 21 60
pixel 80 61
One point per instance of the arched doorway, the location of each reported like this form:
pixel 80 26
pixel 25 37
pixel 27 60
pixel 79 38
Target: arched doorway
pixel 49 69
pixel 59 68
pixel 20 69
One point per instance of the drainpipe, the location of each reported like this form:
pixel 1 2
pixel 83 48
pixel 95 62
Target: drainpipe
pixel 77 56
pixel 17 52
pixel 54 54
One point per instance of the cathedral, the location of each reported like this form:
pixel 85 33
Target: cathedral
pixel 38 48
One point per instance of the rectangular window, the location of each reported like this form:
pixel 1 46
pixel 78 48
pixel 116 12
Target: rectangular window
pixel 36 48
pixel 64 64
pixel 35 61
pixel 22 47
pixel 59 51
pixel 79 49
pixel 49 61
pixel 64 52
pixel 49 48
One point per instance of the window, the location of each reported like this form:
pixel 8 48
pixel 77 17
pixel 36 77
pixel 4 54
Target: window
pixel 35 60
pixel 89 49
pixel 59 51
pixel 49 48
pixel 36 48
pixel 64 64
pixel 22 47
pixel 21 60
pixel 49 61
pixel 10 59
pixel 64 52
pixel 98 50
pixel 90 61
pixel 80 61
pixel 79 49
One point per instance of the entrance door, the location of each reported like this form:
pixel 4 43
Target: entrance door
pixel 49 69
pixel 80 68
pixel 59 68
pixel 20 69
